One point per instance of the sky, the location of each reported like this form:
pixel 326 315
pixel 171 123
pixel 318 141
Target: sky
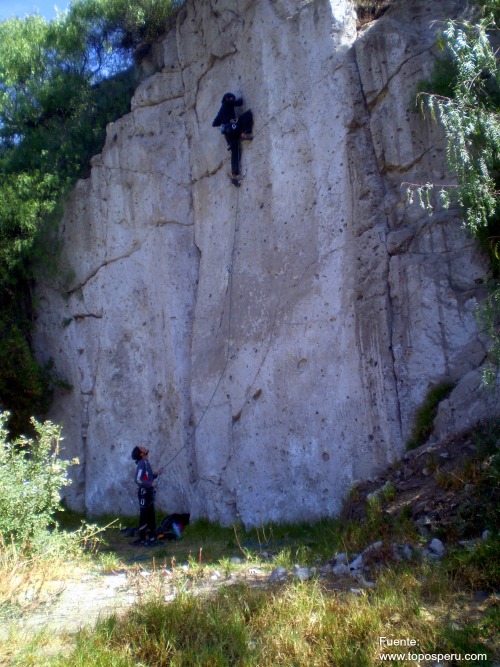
pixel 21 8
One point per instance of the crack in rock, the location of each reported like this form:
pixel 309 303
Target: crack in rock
pixel 80 285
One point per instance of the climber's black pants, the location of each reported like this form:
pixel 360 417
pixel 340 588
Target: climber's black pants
pixel 235 148
pixel 244 126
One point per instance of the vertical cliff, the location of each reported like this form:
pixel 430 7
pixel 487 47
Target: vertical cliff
pixel 274 340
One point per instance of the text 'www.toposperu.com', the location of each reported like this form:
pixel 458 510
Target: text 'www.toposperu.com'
pixel 414 655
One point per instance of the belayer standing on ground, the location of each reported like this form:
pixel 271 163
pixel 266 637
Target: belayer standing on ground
pixel 234 130
pixel 146 491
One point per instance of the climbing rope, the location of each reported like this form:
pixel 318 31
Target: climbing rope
pixel 228 346
pixel 230 310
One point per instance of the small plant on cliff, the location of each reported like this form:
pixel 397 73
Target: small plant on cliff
pixel 370 10
pixel 424 420
pixel 31 477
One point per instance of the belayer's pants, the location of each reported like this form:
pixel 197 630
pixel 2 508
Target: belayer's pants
pixel 147 517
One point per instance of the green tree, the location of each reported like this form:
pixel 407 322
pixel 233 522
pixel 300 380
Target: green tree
pixel 470 116
pixel 61 83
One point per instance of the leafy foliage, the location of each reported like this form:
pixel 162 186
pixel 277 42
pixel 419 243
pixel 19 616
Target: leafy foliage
pixel 61 83
pixel 31 477
pixel 468 108
pixel 470 119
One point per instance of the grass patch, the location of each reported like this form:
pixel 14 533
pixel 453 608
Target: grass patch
pixel 299 624
pixel 477 567
pixel 378 524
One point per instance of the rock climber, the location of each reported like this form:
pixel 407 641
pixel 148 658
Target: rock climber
pixel 234 130
pixel 146 491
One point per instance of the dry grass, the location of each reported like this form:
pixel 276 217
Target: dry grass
pixel 22 578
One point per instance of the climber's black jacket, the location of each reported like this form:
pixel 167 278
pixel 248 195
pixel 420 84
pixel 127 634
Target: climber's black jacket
pixel 226 111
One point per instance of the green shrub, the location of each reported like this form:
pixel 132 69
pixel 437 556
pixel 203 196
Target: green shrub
pixel 31 477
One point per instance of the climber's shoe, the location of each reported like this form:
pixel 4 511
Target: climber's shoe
pixel 246 136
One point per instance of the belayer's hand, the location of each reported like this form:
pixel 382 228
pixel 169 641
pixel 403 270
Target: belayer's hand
pixel 160 471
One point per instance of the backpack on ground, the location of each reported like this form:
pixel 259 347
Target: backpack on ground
pixel 172 527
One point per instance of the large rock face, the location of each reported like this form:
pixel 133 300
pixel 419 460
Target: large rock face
pixel 272 343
